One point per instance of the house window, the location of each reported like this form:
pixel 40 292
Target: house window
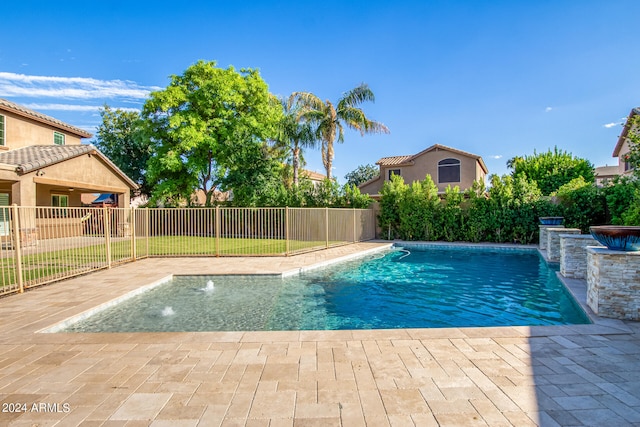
pixel 4 214
pixel 59 200
pixel 58 138
pixel 449 170
pixel 393 172
pixel 2 142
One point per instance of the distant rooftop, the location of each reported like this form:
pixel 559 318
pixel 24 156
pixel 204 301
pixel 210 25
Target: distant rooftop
pixel 43 118
pixel 625 131
pixel 400 160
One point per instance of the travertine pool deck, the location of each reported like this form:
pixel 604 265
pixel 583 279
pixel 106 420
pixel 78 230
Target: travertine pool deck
pixel 550 376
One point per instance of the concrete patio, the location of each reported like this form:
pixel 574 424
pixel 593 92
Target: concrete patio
pixel 549 376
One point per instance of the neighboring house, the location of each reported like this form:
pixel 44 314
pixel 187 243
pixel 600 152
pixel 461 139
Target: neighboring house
pixel 315 177
pixel 622 147
pixel 605 174
pixel 446 166
pixel 199 198
pixel 44 163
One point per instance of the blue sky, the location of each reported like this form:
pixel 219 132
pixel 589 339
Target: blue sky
pixel 495 78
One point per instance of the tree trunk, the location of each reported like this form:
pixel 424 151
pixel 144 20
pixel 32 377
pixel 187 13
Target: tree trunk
pixel 326 160
pixel 296 165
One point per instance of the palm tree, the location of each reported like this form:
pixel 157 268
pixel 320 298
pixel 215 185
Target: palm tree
pixel 330 120
pixel 294 134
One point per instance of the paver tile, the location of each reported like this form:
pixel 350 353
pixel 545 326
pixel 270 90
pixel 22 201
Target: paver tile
pixel 141 406
pixel 521 376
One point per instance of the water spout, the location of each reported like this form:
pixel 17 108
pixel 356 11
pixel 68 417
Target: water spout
pixel 210 286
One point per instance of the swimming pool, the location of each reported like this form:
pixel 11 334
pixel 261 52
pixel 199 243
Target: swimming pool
pixel 421 287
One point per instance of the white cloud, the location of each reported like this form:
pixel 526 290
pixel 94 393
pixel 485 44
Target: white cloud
pixel 610 125
pixel 71 107
pixel 546 110
pixel 22 85
pixel 496 156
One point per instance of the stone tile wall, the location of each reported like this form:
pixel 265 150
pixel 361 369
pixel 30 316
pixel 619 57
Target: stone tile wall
pixel 613 283
pixel 573 254
pixel 553 241
pixel 542 242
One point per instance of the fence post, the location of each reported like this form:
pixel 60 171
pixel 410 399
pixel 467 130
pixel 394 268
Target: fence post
pixel 18 246
pixel 286 230
pixel 133 232
pixel 354 225
pixel 107 233
pixel 373 222
pixel 326 226
pixel 217 230
pixel 147 226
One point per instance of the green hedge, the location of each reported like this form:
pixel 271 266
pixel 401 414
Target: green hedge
pixel 508 211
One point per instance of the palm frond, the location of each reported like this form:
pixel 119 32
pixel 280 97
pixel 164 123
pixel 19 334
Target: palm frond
pixel 356 96
pixel 306 100
pixel 356 119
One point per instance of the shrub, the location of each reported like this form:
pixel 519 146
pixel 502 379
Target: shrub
pixel 584 204
pixel 390 196
pixel 417 209
pixel 620 197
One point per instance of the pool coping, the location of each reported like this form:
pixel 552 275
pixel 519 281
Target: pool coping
pixel 60 326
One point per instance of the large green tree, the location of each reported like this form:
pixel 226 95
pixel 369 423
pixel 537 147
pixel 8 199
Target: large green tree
pixel 362 173
pixel 330 119
pixel 552 169
pixel 208 129
pixel 119 138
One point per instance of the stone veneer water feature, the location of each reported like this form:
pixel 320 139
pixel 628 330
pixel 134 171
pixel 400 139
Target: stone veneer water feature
pixel 613 283
pixel 573 254
pixel 542 240
pixel 553 241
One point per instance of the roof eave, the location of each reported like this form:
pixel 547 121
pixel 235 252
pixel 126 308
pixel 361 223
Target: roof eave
pixel 33 115
pixel 625 132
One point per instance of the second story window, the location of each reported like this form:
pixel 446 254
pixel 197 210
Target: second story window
pixel 58 138
pixel 393 172
pixel 2 141
pixel 449 170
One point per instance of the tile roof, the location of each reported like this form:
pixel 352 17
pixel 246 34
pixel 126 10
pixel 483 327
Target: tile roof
pixel 43 118
pixel 607 171
pixel 398 160
pixel 314 176
pixel 28 159
pixel 393 160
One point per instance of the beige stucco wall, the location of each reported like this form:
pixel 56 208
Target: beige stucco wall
pixel 624 150
pixel 372 187
pixel 22 132
pixel 427 163
pixel 85 174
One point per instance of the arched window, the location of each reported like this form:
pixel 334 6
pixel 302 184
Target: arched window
pixel 449 170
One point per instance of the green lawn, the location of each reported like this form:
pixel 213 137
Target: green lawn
pixel 41 266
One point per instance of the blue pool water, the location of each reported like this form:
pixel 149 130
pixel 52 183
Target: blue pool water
pixel 428 288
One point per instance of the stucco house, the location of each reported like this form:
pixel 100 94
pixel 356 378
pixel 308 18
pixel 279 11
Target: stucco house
pixel 446 166
pixel 622 146
pixel 44 163
pixel 316 178
pixel 605 174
